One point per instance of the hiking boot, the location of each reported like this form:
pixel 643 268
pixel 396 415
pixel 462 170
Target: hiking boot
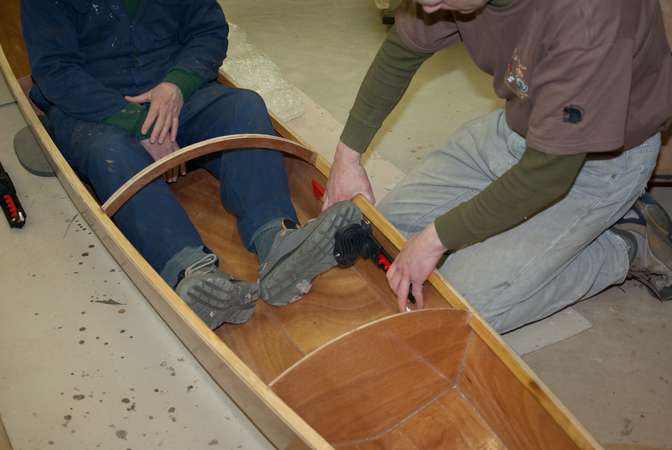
pixel 648 235
pixel 215 296
pixel 299 255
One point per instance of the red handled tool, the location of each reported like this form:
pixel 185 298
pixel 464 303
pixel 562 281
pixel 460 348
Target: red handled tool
pixel 11 205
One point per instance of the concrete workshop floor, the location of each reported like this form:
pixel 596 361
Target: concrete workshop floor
pixel 105 375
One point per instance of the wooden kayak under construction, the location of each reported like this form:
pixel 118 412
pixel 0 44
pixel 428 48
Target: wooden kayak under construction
pixel 339 368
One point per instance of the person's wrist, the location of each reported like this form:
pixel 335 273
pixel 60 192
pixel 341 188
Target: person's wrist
pixel 174 87
pixel 434 241
pixel 345 154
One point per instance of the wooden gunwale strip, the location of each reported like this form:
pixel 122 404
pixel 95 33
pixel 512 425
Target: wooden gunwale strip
pixel 197 150
pixel 281 424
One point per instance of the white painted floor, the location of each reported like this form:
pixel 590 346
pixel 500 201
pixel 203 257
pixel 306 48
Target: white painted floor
pixel 85 363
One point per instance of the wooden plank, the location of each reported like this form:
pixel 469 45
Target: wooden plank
pixel 376 376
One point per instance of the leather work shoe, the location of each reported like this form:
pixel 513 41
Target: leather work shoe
pixel 649 239
pixel 299 255
pixel 217 297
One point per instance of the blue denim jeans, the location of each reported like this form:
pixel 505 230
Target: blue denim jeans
pixel 564 254
pixel 253 183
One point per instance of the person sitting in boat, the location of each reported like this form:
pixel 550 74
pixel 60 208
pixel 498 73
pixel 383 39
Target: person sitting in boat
pixel 528 199
pixel 124 83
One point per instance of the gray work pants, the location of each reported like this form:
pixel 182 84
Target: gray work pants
pixel 564 254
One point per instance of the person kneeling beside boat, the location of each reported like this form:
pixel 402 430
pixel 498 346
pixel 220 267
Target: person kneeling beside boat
pixel 126 83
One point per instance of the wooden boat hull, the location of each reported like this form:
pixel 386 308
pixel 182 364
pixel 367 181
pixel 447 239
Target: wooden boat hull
pixel 338 369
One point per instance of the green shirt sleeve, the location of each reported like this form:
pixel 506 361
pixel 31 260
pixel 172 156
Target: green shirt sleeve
pixel 536 182
pixel 130 118
pixel 385 83
pixel 185 79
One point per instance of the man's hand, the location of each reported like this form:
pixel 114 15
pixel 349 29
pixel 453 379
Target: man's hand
pixel 165 103
pixel 158 151
pixel 347 178
pixel 414 264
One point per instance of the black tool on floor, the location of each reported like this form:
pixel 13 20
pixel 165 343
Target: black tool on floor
pixel 9 201
pixel 356 241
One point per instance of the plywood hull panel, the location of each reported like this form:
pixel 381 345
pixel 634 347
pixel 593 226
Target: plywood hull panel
pixel 340 368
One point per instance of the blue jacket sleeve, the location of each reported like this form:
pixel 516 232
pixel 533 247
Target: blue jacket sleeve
pixel 205 39
pixel 57 63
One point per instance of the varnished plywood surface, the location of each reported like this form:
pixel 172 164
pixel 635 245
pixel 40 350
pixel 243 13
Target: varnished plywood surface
pixel 448 423
pixel 506 405
pixel 374 378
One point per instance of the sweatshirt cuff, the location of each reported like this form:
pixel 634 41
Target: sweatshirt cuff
pixel 185 79
pixel 130 118
pixel 452 230
pixel 357 135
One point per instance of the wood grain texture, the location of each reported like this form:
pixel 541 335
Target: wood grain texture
pixel 373 378
pixel 448 423
pixel 507 405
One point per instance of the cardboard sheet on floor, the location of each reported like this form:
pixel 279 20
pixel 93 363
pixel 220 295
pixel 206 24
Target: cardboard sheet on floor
pixel 556 328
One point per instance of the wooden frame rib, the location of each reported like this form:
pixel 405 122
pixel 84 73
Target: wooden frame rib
pixel 197 150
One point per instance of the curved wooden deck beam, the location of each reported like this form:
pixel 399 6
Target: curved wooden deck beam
pixel 214 145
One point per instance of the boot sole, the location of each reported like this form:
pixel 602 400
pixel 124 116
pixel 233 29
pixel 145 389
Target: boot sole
pixel 282 284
